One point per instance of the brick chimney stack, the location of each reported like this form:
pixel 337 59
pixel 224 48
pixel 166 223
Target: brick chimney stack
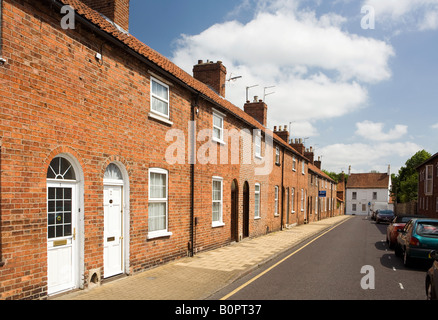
pixel 310 155
pixel 298 145
pixel 258 110
pixel 318 163
pixel 115 10
pixel 212 74
pixel 282 133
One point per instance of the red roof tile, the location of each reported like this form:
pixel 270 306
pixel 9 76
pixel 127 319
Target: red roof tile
pixel 368 180
pixel 165 64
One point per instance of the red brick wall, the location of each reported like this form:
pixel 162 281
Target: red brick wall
pixel 56 98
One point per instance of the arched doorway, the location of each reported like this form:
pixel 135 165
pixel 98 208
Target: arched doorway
pixel 63 208
pixel 246 210
pixel 234 211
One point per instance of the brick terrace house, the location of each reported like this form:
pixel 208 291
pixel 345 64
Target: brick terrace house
pixel 114 160
pixel 428 187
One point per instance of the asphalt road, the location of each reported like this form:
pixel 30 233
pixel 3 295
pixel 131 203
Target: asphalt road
pixel 331 268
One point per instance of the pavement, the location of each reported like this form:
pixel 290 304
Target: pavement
pixel 198 277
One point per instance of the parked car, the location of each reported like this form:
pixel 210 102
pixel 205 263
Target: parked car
pixel 432 278
pixel 417 239
pixel 397 224
pixel 385 216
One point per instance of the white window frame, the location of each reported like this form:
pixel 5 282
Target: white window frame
pixel 303 167
pixel 354 207
pixel 220 222
pixel 428 181
pixel 294 163
pixel 221 116
pixel 258 145
pixel 164 232
pixel 292 200
pixel 154 113
pixel 276 190
pixel 302 200
pixel 354 195
pixel 257 202
pixel 316 205
pixel 277 155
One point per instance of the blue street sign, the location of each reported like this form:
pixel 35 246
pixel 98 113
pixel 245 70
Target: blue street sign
pixel 322 194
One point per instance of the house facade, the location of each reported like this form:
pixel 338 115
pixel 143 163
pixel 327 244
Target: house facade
pixel 367 192
pixel 114 160
pixel 427 203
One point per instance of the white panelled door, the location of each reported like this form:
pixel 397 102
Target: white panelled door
pixel 113 230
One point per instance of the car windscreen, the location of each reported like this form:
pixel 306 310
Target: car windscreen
pixel 386 213
pixel 427 228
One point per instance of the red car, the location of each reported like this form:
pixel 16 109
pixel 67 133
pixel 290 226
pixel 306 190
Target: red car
pixel 395 226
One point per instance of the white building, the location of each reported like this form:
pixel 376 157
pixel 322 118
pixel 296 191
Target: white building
pixel 367 192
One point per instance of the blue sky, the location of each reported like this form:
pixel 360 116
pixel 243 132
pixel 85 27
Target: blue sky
pixel 365 97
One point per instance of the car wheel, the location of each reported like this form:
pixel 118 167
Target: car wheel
pixel 397 250
pixel 429 292
pixel 407 261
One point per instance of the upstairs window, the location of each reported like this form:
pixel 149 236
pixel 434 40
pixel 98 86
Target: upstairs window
pixel 159 98
pixel 218 127
pixel 258 145
pixel 428 186
pixel 277 155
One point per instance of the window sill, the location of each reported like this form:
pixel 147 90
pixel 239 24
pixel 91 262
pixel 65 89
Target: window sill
pixel 220 141
pixel 257 218
pixel 158 234
pixel 160 118
pixel 258 157
pixel 276 215
pixel 217 224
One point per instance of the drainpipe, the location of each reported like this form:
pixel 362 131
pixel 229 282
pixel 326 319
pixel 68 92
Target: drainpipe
pixel 192 156
pixel 282 191
pixel 2 263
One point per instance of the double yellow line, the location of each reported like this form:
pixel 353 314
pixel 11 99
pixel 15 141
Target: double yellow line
pixel 232 293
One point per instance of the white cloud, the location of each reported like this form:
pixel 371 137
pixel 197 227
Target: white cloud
pixel 435 126
pixel 298 53
pixel 374 131
pixel 421 14
pixel 362 156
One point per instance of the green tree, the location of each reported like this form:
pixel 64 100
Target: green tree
pixel 405 184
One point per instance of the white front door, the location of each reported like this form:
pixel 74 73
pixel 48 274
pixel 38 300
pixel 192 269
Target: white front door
pixel 113 231
pixel 61 243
